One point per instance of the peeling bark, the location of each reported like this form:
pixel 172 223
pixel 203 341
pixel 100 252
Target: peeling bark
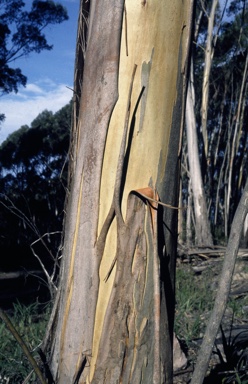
pixel 114 320
pixel 134 300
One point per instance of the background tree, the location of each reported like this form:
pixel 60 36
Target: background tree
pixel 203 236
pixel 222 137
pixel 33 179
pixel 115 306
pixel 21 32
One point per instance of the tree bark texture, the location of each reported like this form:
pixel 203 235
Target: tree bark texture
pixel 236 135
pixel 114 318
pixel 203 236
pixel 209 51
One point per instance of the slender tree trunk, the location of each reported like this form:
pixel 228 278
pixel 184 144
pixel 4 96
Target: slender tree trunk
pixel 189 221
pixel 220 182
pixel 223 290
pixel 227 155
pixel 237 128
pixel 209 51
pixel 203 236
pixel 180 230
pixel 244 238
pixel 114 318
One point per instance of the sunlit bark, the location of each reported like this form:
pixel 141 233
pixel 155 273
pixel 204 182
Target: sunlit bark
pixel 114 317
pixel 209 51
pixel 203 236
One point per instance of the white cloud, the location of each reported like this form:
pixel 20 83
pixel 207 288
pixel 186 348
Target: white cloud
pixel 33 88
pixel 24 107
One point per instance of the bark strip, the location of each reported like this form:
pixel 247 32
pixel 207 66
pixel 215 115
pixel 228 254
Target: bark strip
pixel 135 298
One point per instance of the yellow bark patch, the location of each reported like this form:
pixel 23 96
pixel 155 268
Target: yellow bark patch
pixel 152 40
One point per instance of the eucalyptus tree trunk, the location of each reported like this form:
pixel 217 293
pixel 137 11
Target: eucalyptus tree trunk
pixel 113 321
pixel 203 236
pixel 209 52
pixel 189 221
pixel 242 100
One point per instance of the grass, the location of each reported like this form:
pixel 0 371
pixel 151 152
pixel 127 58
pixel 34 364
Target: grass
pixel 194 301
pixel 30 322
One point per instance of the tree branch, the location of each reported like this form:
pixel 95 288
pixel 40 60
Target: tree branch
pixel 223 290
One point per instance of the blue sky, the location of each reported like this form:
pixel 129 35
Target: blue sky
pixel 49 74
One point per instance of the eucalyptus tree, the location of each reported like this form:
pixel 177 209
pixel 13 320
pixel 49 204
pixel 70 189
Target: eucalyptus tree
pixel 203 235
pixel 21 32
pixel 220 85
pixel 33 179
pixel 113 315
pixel 228 111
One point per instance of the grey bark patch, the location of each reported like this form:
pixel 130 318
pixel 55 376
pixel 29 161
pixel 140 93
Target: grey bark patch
pixel 145 75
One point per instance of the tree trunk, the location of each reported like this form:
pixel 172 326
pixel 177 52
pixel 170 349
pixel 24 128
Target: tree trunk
pixel 189 221
pixel 223 290
pixel 203 236
pixel 209 52
pixel 236 135
pixel 114 318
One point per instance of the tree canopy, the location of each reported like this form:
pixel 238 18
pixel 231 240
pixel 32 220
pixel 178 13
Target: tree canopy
pixel 33 163
pixel 21 33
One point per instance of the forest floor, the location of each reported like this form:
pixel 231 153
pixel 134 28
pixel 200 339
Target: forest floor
pixel 197 281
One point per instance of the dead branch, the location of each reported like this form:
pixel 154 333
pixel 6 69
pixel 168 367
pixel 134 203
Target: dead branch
pixel 223 290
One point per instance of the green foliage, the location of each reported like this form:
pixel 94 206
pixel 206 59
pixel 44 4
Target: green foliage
pixel 21 33
pixel 33 179
pixel 233 360
pixel 2 118
pixel 30 322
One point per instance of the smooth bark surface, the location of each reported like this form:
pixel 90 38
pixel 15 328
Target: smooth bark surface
pixel 203 236
pixel 237 128
pixel 114 321
pixel 209 50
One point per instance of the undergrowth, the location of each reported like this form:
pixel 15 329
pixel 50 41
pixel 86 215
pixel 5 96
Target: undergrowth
pixel 30 322
pixel 193 300
pixel 195 294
